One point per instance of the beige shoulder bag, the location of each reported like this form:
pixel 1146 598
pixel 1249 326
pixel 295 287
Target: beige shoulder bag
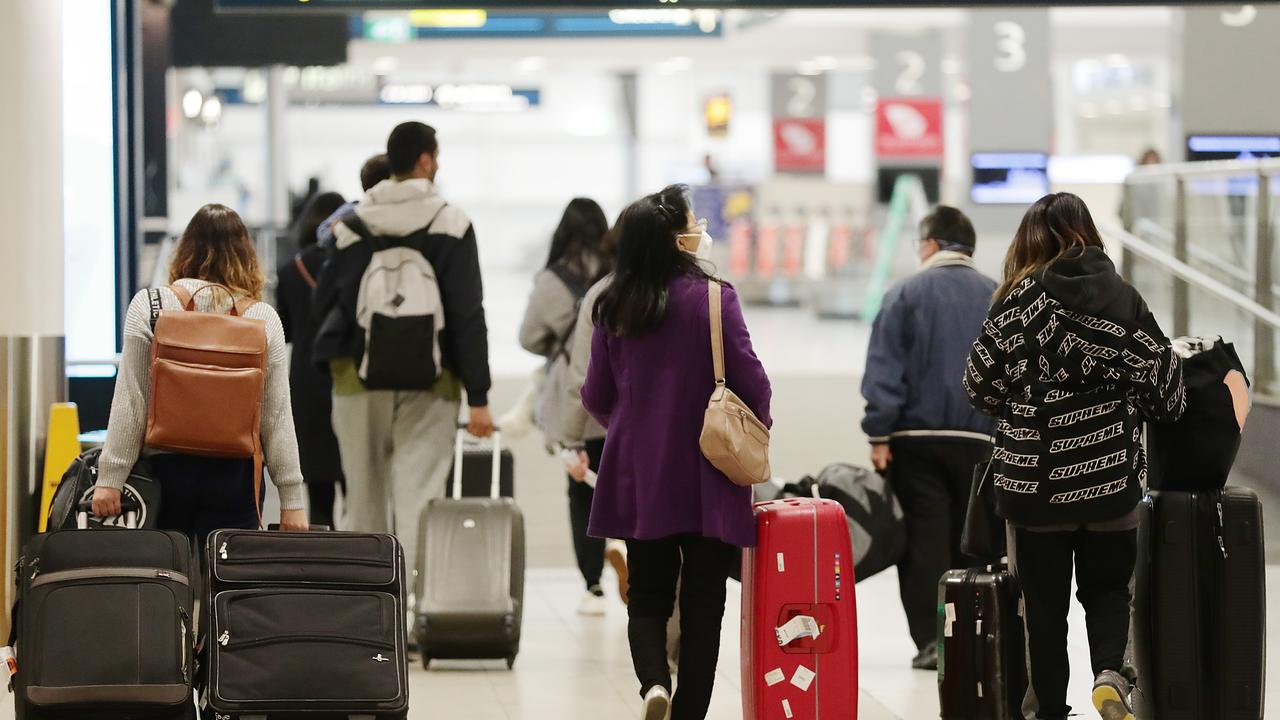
pixel 733 439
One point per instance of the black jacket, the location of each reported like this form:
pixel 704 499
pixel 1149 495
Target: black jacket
pixel 310 390
pixel 1070 362
pixel 413 212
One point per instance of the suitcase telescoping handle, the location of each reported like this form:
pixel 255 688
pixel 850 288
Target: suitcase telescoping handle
pixel 495 482
pixel 128 508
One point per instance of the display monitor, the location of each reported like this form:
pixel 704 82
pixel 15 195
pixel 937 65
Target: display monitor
pixel 887 177
pixel 1232 147
pixel 1009 178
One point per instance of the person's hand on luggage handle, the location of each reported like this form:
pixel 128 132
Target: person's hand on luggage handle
pixel 881 456
pixel 106 502
pixel 579 471
pixel 480 422
pixel 294 521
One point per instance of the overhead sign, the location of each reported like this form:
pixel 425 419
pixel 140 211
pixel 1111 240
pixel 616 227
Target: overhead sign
pixel 800 145
pixel 909 127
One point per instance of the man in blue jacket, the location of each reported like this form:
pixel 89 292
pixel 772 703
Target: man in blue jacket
pixel 919 420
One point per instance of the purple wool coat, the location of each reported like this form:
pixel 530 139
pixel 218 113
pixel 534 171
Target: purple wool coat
pixel 650 393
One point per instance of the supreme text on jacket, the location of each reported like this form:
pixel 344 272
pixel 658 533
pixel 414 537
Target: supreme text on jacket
pixel 1070 362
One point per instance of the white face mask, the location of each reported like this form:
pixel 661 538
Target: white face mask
pixel 703 251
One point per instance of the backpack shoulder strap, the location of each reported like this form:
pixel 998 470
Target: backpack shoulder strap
pixel 244 304
pixel 184 297
pixel 153 298
pixel 307 277
pixel 357 226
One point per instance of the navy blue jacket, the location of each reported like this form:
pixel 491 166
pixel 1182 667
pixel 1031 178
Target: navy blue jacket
pixel 919 344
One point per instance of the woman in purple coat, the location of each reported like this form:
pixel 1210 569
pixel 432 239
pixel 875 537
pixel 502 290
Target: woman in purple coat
pixel 648 383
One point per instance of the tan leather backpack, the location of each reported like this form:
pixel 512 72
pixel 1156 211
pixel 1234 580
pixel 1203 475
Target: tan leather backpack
pixel 208 372
pixel 733 438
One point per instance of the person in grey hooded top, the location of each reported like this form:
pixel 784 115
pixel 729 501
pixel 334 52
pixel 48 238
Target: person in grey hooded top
pixel 918 417
pixel 581 253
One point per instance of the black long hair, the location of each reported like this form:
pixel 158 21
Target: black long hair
pixel 317 210
pixel 648 258
pixel 581 242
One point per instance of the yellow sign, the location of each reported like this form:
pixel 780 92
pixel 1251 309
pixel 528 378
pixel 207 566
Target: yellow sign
pixel 61 447
pixel 448 18
pixel 719 110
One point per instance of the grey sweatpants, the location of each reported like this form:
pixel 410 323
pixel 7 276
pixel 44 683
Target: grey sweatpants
pixel 397 450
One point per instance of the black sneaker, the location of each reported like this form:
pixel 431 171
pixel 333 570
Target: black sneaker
pixel 926 659
pixel 1111 696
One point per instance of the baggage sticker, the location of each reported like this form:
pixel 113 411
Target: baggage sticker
pixel 10 660
pixel 803 678
pixel 800 626
pixel 950 620
pixel 774 676
pixel 786 708
pixel 782 563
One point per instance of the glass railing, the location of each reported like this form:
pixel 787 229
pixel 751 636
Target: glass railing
pixel 1199 242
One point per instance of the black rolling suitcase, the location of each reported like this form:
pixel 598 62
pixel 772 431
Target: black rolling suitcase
pixel 305 625
pixel 981 651
pixel 103 626
pixel 1200 606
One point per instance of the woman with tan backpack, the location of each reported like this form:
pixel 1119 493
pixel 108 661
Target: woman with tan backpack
pixel 204 382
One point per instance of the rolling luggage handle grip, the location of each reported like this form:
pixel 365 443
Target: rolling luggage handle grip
pixel 128 508
pixel 495 482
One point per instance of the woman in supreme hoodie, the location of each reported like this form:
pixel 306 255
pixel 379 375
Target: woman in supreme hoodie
pixel 1071 363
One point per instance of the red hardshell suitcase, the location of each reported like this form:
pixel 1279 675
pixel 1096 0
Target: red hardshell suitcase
pixel 802 565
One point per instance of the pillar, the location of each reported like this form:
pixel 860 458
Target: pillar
pixel 32 371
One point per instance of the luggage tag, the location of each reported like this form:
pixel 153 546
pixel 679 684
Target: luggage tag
pixel 786 708
pixel 800 626
pixel 10 660
pixel 774 676
pixel 950 619
pixel 803 678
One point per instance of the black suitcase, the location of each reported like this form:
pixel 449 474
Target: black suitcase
pixel 305 625
pixel 103 626
pixel 982 670
pixel 1200 606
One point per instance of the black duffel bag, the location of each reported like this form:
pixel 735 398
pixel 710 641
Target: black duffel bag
pixel 77 484
pixel 1196 452
pixel 876 522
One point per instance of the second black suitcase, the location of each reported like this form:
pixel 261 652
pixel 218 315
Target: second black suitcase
pixel 306 626
pixel 1200 606
pixel 981 652
pixel 103 626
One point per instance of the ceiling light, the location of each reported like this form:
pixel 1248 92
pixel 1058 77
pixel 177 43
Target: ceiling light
pixel 1240 18
pixel 531 64
pixel 192 100
pixel 825 62
pixel 212 110
pixel 808 68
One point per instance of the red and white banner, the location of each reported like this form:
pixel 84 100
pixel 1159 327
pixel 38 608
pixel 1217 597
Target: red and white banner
pixel 909 127
pixel 800 145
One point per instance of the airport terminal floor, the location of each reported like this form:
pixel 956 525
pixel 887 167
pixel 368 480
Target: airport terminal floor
pixel 833 163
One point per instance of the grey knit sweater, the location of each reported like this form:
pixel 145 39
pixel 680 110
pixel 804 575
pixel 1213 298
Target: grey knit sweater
pixel 128 423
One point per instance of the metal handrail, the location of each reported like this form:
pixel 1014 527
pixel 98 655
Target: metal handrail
pixel 1176 267
pixel 1147 226
pixel 1211 168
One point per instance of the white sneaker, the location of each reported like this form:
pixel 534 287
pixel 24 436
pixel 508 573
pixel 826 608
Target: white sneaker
pixel 657 704
pixel 592 605
pixel 615 551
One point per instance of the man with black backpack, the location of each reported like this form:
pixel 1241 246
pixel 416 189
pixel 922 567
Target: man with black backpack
pixel 402 331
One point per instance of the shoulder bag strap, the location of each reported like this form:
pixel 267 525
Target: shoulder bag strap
pixel 307 277
pixel 153 297
pixel 717 332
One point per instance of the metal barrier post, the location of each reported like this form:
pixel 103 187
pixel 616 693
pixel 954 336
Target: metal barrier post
pixel 1181 291
pixel 1264 346
pixel 1127 220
